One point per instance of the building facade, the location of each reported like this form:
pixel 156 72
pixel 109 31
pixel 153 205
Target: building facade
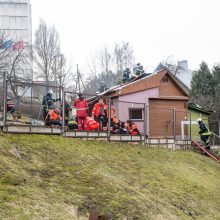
pixel 16 25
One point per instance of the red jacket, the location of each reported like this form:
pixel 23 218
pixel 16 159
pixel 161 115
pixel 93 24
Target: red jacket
pixel 100 110
pixel 91 124
pixel 81 107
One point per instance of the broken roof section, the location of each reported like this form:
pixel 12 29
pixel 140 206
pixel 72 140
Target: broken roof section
pixel 142 83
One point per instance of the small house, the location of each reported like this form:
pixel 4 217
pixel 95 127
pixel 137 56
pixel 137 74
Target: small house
pixel 159 99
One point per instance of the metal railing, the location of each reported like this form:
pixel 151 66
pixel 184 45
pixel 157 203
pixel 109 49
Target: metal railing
pixel 215 136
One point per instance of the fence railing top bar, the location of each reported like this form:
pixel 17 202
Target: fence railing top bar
pixel 215 135
pixel 76 93
pixel 35 84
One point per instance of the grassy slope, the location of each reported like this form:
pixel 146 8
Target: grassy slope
pixel 59 178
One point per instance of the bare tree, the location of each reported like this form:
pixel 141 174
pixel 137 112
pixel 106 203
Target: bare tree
pixel 107 65
pixel 101 62
pixel 172 65
pixel 124 56
pixel 61 70
pixel 16 59
pixel 46 49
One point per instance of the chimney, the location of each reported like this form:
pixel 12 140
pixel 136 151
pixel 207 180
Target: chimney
pixel 183 64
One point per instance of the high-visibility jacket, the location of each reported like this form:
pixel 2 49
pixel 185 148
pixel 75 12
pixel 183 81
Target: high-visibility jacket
pixel 54 116
pixel 91 124
pixel 132 128
pixel 112 111
pixel 100 110
pixel 203 129
pixel 48 102
pixel 81 107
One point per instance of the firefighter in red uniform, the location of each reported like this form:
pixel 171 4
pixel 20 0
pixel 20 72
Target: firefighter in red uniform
pixel 81 106
pixel 92 125
pixel 100 113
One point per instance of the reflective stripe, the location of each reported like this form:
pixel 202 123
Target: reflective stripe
pixel 207 133
pixel 81 108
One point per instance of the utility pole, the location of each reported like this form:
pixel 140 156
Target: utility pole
pixel 55 70
pixel 78 77
pixel 60 76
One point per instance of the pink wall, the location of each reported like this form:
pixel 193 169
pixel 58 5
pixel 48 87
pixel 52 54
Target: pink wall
pixel 122 108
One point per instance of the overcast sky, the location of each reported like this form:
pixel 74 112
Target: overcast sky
pixel 186 29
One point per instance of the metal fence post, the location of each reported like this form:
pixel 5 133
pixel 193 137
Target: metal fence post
pixel 190 126
pixel 109 119
pixel 31 109
pixel 63 110
pixel 174 124
pixel 5 88
pixel 145 123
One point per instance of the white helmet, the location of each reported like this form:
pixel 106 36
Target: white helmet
pixel 199 119
pixel 50 92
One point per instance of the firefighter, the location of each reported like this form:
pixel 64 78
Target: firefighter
pixel 72 123
pixel 92 125
pixel 67 110
pixel 53 118
pixel 48 103
pixel 100 113
pixel 126 75
pixel 204 133
pixel 81 106
pixel 138 69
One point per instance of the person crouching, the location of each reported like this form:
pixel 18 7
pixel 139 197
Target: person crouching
pixel 91 124
pixel 53 118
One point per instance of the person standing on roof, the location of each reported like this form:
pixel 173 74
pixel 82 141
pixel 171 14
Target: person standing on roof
pixel 126 75
pixel 100 113
pixel 204 132
pixel 81 106
pixel 48 103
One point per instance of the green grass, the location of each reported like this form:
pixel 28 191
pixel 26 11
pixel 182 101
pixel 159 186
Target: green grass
pixel 58 178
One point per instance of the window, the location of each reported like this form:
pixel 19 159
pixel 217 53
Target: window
pixel 136 114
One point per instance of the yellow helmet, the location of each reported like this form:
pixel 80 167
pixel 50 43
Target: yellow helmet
pixel 199 119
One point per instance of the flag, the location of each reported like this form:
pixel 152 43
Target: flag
pixel 7 44
pixel 18 45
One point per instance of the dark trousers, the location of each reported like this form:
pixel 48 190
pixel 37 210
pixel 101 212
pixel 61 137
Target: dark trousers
pixel 49 123
pixel 205 139
pixel 102 120
pixel 44 114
